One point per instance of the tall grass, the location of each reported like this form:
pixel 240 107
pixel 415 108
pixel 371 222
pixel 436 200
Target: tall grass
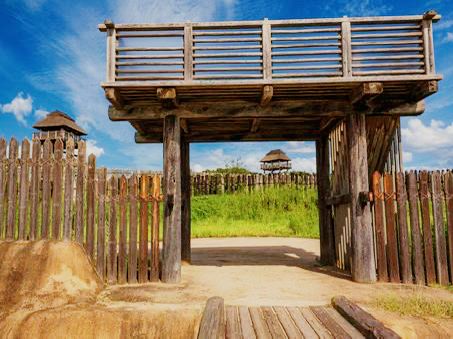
pixel 275 211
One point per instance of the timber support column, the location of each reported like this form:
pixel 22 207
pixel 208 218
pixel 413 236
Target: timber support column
pixel 185 201
pixel 363 266
pixel 171 265
pixel 325 218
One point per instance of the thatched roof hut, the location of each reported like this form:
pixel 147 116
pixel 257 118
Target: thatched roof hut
pixel 275 161
pixel 58 120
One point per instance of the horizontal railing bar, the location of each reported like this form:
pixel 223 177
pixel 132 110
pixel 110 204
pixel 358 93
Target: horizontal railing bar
pixel 227 40
pixel 150 63
pixel 223 33
pixel 274 61
pixel 151 35
pixel 206 62
pixel 149 49
pixel 391 57
pixel 169 77
pixel 382 28
pixel 400 42
pixel 224 48
pixel 315 44
pixel 157 71
pixel 299 31
pixel 294 75
pixel 334 51
pixel 388 64
pixel 386 35
pixel 156 56
pixel 331 37
pixel 387 50
pixel 277 68
pixel 228 76
pixel 222 69
pixel 408 71
pixel 223 55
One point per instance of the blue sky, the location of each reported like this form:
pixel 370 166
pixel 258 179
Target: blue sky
pixel 53 57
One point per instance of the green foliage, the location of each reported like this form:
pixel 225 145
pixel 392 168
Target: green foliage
pixel 233 167
pixel 276 211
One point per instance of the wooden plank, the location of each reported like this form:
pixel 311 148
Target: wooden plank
pixel 144 222
pixel 346 48
pixel 272 322
pixel 403 236
pixel 448 182
pixel 100 253
pixel 233 326
pixel 46 189
pixel 12 190
pixel 3 171
pixel 111 256
pixel 369 326
pixel 392 241
pixel 381 253
pixel 34 189
pixel 122 253
pixel 291 330
pixel 185 202
pixel 302 324
pixel 439 229
pixel 260 326
pixel 246 323
pixel 68 189
pixel 363 264
pixel 80 184
pixel 418 261
pixel 132 264
pixel 23 188
pixel 333 327
pixel 426 224
pixel 317 326
pixel 155 229
pixel 90 204
pixel 212 324
pixel 57 189
pixel 188 52
pixel 171 265
pixel 346 325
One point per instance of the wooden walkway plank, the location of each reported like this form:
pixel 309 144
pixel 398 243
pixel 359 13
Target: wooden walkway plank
pixel 122 253
pixel 392 241
pixel 68 190
pixel 439 229
pixel 212 324
pixel 347 326
pixel 427 233
pixel 272 322
pixel 133 192
pixel 233 326
pixel 100 253
pixel 12 190
pixel 3 171
pixel 80 188
pixel 319 328
pixel 448 181
pixel 417 251
pixel 291 330
pixel 382 272
pixel 23 188
pixel 259 324
pixel 302 324
pixel 329 323
pixel 246 323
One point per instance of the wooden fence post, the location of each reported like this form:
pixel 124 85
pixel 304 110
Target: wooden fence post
pixel 3 171
pixel 155 230
pixel 111 258
pixel 23 188
pixel 448 182
pixel 100 253
pixel 12 190
pixel 57 189
pixel 143 245
pixel 68 190
pixel 379 228
pixel 122 253
pixel 133 193
pixel 81 158
pixel 90 204
pixel 392 241
pixel 403 236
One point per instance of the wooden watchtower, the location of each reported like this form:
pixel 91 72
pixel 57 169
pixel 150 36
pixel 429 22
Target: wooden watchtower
pixel 275 161
pixel 342 82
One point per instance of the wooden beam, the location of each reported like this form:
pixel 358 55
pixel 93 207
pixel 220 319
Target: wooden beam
pixel 363 267
pixel 423 90
pixel 363 95
pixel 167 96
pixel 340 199
pixel 255 125
pixel 184 126
pixel 327 244
pixel 171 261
pixel 266 96
pixel 185 202
pixel 113 95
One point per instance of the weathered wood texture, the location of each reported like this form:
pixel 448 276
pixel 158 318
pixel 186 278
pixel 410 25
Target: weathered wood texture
pixel 185 201
pixel 212 325
pixel 78 202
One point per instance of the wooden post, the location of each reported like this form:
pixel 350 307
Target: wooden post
pixel 171 265
pixel 46 173
pixel 56 195
pixel 90 204
pixel 132 264
pixel 12 191
pixel 143 232
pixel 3 170
pixel 68 189
pixel 100 253
pixel 23 188
pixel 185 201
pixel 325 220
pixel 363 264
pixel 155 230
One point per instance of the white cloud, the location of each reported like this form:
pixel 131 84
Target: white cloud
pixel 448 37
pixel 197 168
pixel 92 148
pixel 365 8
pixel 300 147
pixel 34 5
pixel 21 106
pixel 407 156
pixel 420 137
pixel 444 24
pixel 304 164
pixel 40 113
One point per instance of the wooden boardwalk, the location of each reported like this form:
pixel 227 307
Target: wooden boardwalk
pixel 287 322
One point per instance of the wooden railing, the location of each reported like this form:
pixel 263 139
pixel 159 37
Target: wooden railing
pixel 270 50
pixel 53 135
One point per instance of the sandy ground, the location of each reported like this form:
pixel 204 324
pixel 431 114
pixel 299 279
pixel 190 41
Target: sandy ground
pixel 244 271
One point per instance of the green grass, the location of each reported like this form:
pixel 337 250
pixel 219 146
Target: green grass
pixel 276 211
pixel 415 305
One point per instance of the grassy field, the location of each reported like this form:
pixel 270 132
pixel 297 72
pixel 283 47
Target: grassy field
pixel 278 211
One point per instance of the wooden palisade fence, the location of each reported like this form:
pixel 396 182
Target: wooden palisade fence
pixel 55 192
pixel 208 183
pixel 413 221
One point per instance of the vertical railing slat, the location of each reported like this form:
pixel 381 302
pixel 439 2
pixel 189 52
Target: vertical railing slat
pixel 267 49
pixel 23 188
pixel 188 52
pixel 111 52
pixel 12 190
pixel 133 193
pixel 57 189
pixel 346 49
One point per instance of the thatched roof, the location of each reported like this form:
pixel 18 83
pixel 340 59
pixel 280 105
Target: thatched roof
pixel 275 155
pixel 57 119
